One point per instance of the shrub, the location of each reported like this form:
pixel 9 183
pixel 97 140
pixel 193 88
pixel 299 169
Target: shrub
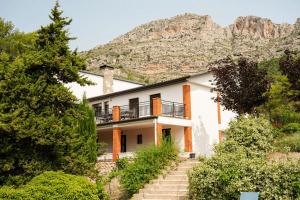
pixel 254 134
pixel 147 164
pixel 224 177
pixel 240 165
pixel 53 185
pixel 102 194
pixel 122 163
pixel 291 128
pixel 291 142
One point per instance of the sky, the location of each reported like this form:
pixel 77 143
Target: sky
pixel 99 21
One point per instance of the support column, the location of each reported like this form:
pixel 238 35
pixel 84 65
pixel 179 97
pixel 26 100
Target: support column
pixel 219 117
pixel 157 110
pixel 188 142
pixel 116 134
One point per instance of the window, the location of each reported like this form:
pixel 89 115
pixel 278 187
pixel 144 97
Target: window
pixel 140 139
pixel 97 109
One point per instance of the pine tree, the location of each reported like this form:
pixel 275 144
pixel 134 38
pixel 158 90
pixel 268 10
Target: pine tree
pixel 38 114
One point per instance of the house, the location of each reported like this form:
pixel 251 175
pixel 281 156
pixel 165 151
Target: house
pixel 98 88
pixel 181 110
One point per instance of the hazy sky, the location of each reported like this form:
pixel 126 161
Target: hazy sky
pixel 99 21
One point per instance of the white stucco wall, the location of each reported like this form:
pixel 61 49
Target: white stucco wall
pixel 168 93
pixel 97 89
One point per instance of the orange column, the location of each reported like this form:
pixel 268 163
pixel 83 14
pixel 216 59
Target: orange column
pixel 188 142
pixel 157 109
pixel 219 116
pixel 116 133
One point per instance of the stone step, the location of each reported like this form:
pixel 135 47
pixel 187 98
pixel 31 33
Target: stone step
pixel 164 196
pixel 176 177
pixel 170 182
pixel 178 173
pixel 168 187
pixel 165 192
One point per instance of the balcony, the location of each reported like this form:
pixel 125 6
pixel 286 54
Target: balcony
pixel 141 110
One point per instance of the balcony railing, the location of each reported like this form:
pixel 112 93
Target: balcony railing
pixel 172 109
pixel 103 116
pixel 142 109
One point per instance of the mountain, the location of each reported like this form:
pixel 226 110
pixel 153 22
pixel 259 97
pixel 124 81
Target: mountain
pixel 189 43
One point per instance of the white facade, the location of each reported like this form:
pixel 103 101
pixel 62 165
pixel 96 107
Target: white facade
pixel 204 119
pixel 97 88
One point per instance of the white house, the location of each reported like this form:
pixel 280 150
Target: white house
pixel 97 88
pixel 130 116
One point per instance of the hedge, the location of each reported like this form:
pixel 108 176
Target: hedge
pixel 240 165
pixel 147 165
pixel 52 185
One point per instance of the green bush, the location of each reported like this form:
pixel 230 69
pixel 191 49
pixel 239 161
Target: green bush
pixel 291 128
pixel 254 134
pixel 240 165
pixel 122 163
pixel 290 142
pixel 53 185
pixel 224 177
pixel 146 165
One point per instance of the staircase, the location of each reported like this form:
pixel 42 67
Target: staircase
pixel 173 185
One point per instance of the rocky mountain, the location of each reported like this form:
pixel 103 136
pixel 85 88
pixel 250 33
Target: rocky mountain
pixel 189 43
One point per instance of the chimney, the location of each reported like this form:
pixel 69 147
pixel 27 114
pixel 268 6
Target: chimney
pixel 108 75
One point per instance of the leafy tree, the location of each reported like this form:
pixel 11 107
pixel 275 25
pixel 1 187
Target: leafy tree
pixel 12 41
pixel 39 116
pixel 241 84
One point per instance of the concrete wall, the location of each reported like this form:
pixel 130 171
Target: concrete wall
pixel 97 89
pixel 168 93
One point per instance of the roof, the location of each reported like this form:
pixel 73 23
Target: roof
pixel 119 79
pixel 145 87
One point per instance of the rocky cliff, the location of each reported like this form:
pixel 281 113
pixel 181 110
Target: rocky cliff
pixel 187 44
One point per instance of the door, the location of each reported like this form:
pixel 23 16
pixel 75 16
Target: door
pixel 151 101
pixel 166 134
pixel 123 143
pixel 134 107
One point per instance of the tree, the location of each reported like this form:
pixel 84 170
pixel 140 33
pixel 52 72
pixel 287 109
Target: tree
pixel 12 41
pixel 39 115
pixel 290 66
pixel 241 84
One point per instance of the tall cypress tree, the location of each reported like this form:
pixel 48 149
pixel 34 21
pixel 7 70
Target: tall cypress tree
pixel 38 114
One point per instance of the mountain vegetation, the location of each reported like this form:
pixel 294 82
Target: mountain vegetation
pixel 189 44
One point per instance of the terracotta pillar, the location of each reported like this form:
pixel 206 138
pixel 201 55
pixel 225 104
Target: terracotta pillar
pixel 188 142
pixel 159 133
pixel 219 117
pixel 157 109
pixel 116 134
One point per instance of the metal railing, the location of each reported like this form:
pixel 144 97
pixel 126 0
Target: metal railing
pixel 135 111
pixel 142 109
pixel 172 109
pixel 104 116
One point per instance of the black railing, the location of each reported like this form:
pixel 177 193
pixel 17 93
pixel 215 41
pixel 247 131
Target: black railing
pixel 142 109
pixel 135 111
pixel 104 116
pixel 172 109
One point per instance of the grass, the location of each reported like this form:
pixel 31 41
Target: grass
pixel 289 142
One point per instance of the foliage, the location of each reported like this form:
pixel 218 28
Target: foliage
pixel 14 42
pixel 39 116
pixel 52 185
pixel 253 134
pixel 84 147
pixel 101 148
pixel 122 163
pixel 290 66
pixel 224 177
pixel 240 165
pixel 146 165
pixel 102 194
pixel 291 128
pixel 290 142
pixel 241 84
